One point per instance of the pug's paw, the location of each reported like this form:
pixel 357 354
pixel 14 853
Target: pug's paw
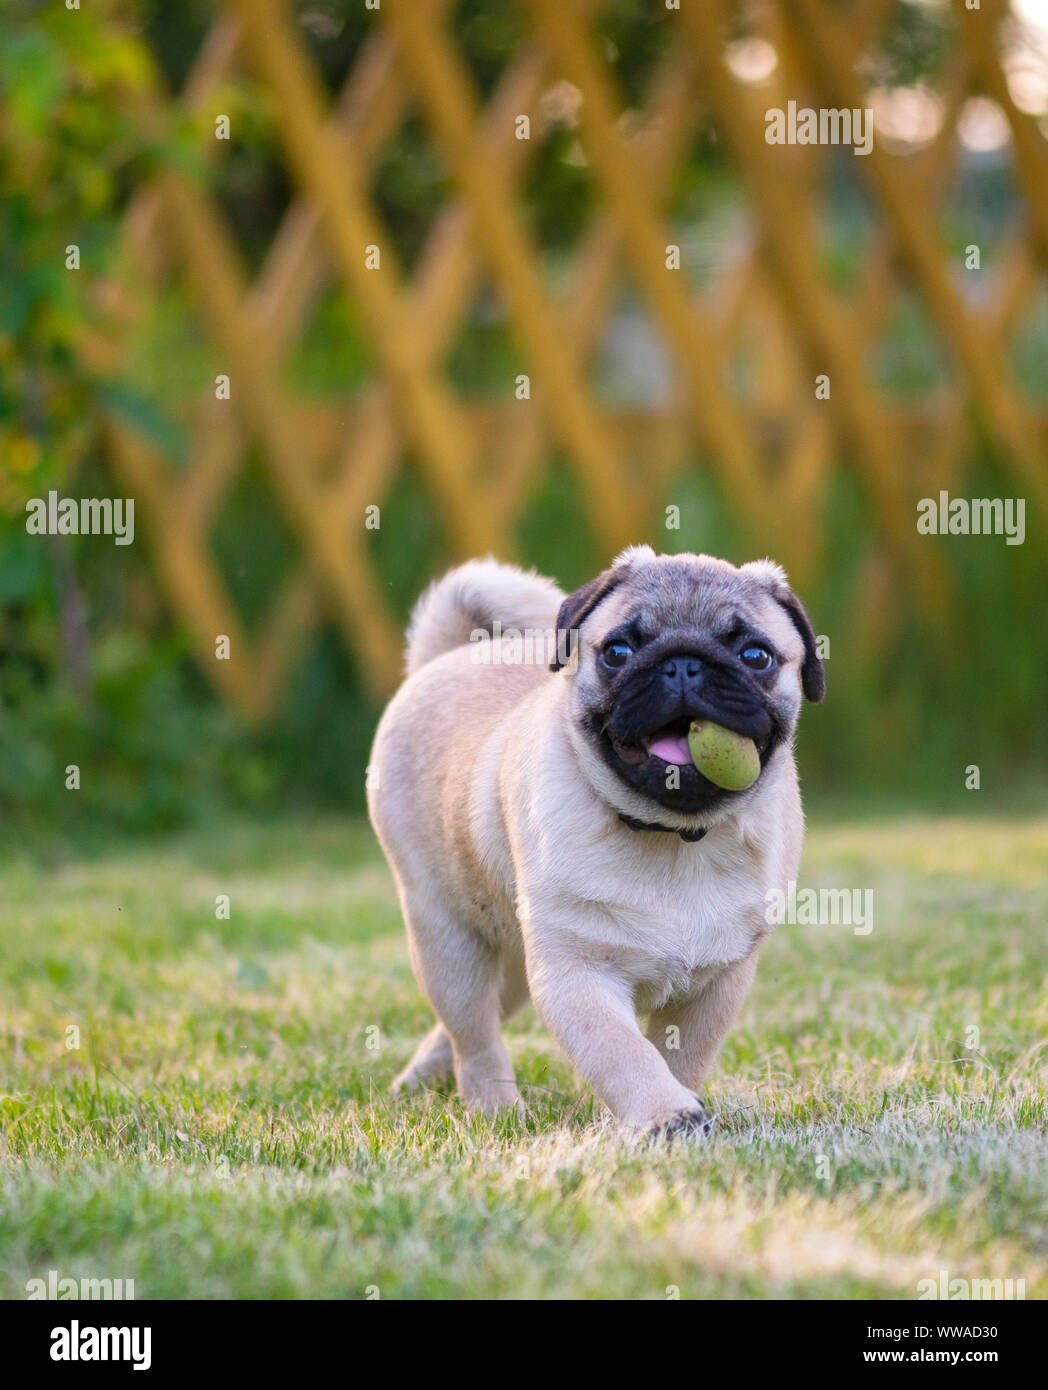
pixel 487 1096
pixel 691 1123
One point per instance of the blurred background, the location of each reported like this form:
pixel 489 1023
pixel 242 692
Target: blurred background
pixel 512 277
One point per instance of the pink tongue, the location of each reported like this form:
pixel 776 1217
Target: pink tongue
pixel 671 749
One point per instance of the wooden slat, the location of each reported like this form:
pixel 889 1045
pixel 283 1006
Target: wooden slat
pixel 820 27
pixel 445 90
pixel 774 448
pixel 627 186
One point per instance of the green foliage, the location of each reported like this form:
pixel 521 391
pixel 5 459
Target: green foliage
pixel 67 83
pixel 150 749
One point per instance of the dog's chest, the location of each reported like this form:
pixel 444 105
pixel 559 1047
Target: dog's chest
pixel 667 932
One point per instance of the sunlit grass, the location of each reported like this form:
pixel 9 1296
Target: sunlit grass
pixel 223 1127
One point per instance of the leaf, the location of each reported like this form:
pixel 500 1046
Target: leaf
pixel 144 416
pixel 23 566
pixel 32 78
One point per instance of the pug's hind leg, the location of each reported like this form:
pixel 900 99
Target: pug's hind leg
pixel 462 977
pixel 689 1032
pixel 432 1063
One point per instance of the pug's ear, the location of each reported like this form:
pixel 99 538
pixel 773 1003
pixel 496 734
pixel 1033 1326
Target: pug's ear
pixel 813 672
pixel 773 577
pixel 577 607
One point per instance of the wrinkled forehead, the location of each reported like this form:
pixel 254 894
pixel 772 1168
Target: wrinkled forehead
pixel 680 592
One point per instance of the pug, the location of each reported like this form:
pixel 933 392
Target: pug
pixel 551 838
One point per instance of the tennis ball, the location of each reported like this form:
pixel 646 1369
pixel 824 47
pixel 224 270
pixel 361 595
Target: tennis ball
pixel 724 758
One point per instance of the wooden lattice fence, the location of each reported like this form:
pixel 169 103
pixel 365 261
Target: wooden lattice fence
pixel 773 449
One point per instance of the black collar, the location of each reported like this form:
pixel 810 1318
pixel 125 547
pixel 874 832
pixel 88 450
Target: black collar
pixel 689 836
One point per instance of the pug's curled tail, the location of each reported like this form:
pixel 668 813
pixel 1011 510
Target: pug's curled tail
pixel 473 598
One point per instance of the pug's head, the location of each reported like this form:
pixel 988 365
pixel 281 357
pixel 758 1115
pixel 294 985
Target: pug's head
pixel 661 640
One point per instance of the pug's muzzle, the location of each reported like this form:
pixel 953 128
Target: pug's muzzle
pixel 642 731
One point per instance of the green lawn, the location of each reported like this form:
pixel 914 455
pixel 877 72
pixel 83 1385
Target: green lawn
pixel 224 1129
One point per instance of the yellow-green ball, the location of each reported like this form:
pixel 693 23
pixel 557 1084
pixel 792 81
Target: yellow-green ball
pixel 724 758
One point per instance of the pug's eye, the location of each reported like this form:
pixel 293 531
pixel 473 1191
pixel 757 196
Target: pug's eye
pixel 757 658
pixel 616 654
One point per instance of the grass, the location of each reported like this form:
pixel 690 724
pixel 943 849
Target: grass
pixel 223 1128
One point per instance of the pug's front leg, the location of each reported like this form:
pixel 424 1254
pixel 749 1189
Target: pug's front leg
pixel 590 1013
pixel 689 1032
